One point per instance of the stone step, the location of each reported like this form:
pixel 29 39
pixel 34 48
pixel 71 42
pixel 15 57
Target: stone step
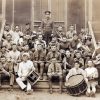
pixel 41 84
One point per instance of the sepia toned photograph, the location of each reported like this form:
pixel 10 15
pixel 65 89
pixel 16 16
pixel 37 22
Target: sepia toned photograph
pixel 49 49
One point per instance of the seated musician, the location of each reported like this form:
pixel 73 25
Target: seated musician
pixel 40 41
pixel 60 32
pixel 8 41
pixel 67 62
pixel 26 67
pixel 78 57
pixel 70 33
pixel 27 50
pixel 38 59
pixel 6 70
pixel 54 41
pixel 74 71
pixel 97 65
pixel 92 75
pixel 74 41
pixel 7 30
pixel 16 34
pixel 82 34
pixel 54 68
pixel 14 54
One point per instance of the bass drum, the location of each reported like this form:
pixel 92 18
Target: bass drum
pixel 77 85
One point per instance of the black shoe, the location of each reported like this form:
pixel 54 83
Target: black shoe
pixel 25 89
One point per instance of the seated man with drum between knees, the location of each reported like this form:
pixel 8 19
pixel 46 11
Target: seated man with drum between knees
pixel 92 75
pixel 54 68
pixel 74 72
pixel 26 67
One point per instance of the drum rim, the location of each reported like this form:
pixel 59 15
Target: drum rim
pixel 35 81
pixel 78 83
pixel 76 94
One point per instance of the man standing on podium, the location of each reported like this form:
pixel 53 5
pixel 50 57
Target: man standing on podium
pixel 47 26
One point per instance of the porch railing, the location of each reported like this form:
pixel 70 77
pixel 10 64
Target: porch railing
pixel 92 34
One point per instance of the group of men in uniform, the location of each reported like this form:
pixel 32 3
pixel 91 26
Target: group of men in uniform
pixel 55 54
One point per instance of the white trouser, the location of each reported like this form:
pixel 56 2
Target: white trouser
pixel 91 85
pixel 22 85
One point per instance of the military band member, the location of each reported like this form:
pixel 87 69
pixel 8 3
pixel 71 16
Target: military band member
pixel 64 44
pixel 92 75
pixel 97 65
pixel 26 67
pixel 78 57
pixel 7 30
pixel 47 26
pixel 28 30
pixel 74 71
pixel 68 62
pixel 70 33
pixel 82 34
pixel 74 41
pixel 39 59
pixel 8 41
pixel 39 31
pixel 40 41
pixel 15 55
pixel 54 41
pixel 6 70
pixel 60 32
pixel 4 51
pixel 54 68
pixel 16 34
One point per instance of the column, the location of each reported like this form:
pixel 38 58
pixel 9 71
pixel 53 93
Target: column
pixel 86 14
pixel 65 16
pixel 3 17
pixel 3 10
pixel 13 13
pixel 49 5
pixel 32 14
pixel 90 10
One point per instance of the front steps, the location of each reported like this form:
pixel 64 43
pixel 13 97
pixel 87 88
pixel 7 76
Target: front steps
pixel 41 85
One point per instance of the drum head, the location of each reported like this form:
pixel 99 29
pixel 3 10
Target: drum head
pixel 75 80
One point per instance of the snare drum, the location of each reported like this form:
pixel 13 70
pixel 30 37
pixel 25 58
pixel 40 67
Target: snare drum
pixel 33 78
pixel 77 85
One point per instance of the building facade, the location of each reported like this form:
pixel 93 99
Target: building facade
pixel 65 12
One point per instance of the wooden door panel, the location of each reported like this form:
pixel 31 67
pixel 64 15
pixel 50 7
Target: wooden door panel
pixel 76 13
